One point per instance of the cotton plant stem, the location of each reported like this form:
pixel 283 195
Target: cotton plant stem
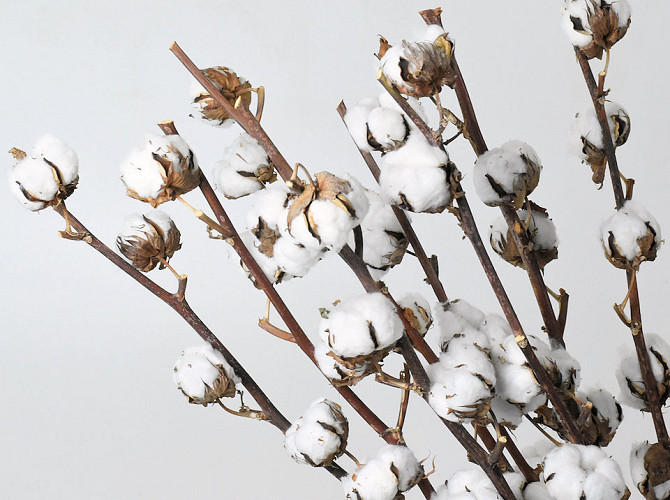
pixel 470 229
pixel 408 230
pixel 179 304
pixel 653 401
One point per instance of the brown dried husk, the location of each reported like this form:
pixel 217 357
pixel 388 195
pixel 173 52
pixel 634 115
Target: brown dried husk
pixel 354 369
pixel 146 253
pixel 605 30
pixel 417 324
pixel 223 387
pixel 426 67
pixel 657 465
pixel 176 181
pixel 267 237
pixel 596 157
pixel 648 249
pixel 231 87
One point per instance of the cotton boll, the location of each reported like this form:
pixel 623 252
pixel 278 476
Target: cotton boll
pixel 356 120
pixel 403 463
pixel 33 183
pixel 472 482
pixel 61 156
pixel 537 491
pixel 507 175
pixel 361 325
pixel 630 236
pixel 148 240
pixel 340 372
pixel 417 311
pixel 372 481
pixel 604 419
pixel 294 258
pixel 204 376
pixel 141 173
pixel 595 26
pixel 387 128
pixel 466 351
pixel 267 264
pixel 244 169
pixel 231 183
pixel 269 204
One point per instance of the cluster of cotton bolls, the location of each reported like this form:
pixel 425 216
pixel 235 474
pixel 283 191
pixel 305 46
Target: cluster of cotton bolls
pixel 629 376
pixel 204 376
pixel 358 333
pixel 244 169
pixel 46 177
pixel 595 26
pixel 630 236
pixel 392 471
pixel 541 233
pixel 590 137
pixel 507 175
pixel 164 168
pixel 319 436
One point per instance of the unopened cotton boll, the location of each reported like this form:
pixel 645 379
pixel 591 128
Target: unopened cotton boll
pixel 244 169
pixel 160 171
pixel 629 376
pixel 595 26
pixel 148 240
pixel 590 138
pixel 417 176
pixel 230 85
pixel 574 472
pixel 319 436
pixel 361 325
pixel 507 175
pixel 204 376
pixel 47 177
pixel 630 236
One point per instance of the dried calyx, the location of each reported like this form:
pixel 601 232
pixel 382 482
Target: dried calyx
pixel 230 85
pixel 148 240
pixel 45 178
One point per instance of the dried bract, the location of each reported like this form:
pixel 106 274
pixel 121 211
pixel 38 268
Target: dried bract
pixel 148 240
pixel 231 86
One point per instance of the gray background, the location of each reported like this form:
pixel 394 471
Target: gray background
pixel 89 407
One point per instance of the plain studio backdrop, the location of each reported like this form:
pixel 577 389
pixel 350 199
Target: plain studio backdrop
pixel 89 408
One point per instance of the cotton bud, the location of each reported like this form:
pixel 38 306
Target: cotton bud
pixel 148 240
pixel 594 25
pixel 244 169
pixel 574 471
pixel 416 310
pixel 650 470
pixel 362 326
pixel 231 86
pixel 541 234
pixel 629 376
pixel 319 436
pixel 630 236
pixel 418 177
pixel 326 211
pixel 204 376
pixel 164 169
pixel 507 175
pixel 591 144
pixel 419 69
pixel 384 243
pixel 340 371
pixel 45 178
pixel 394 470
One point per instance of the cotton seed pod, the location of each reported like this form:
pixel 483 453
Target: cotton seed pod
pixel 419 69
pixel 574 471
pixel 203 375
pixel 45 178
pixel 244 169
pixel 319 436
pixel 231 86
pixel 394 470
pixel 326 211
pixel 592 147
pixel 630 236
pixel 148 240
pixel 541 234
pixel 507 175
pixel 629 376
pixel 164 169
pixel 650 470
pixel 596 25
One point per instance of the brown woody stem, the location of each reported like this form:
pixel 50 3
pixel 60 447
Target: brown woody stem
pixel 653 401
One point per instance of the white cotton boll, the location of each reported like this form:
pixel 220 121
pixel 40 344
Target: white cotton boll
pixel 517 385
pixel 416 153
pixel 356 120
pixel 496 327
pixel 466 351
pixel 421 317
pixel 270 204
pixel 141 173
pixel 161 220
pixel 637 471
pixel 388 127
pixel 231 183
pixel 535 453
pixel 332 223
pixel 456 394
pixel 505 412
pixel 404 464
pixel 33 183
pixel 420 189
pixel 361 325
pixel 294 258
pixel 372 481
pixel 605 404
pixel 267 264
pixel 516 482
pixel 537 491
pixel 507 174
pixel 62 156
pixel 576 9
pixel 390 64
pixel 622 9
pixel 621 232
pixel 471 481
pixel 587 127
pixel 203 374
pixel 562 367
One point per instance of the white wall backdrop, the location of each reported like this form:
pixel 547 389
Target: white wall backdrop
pixel 89 407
